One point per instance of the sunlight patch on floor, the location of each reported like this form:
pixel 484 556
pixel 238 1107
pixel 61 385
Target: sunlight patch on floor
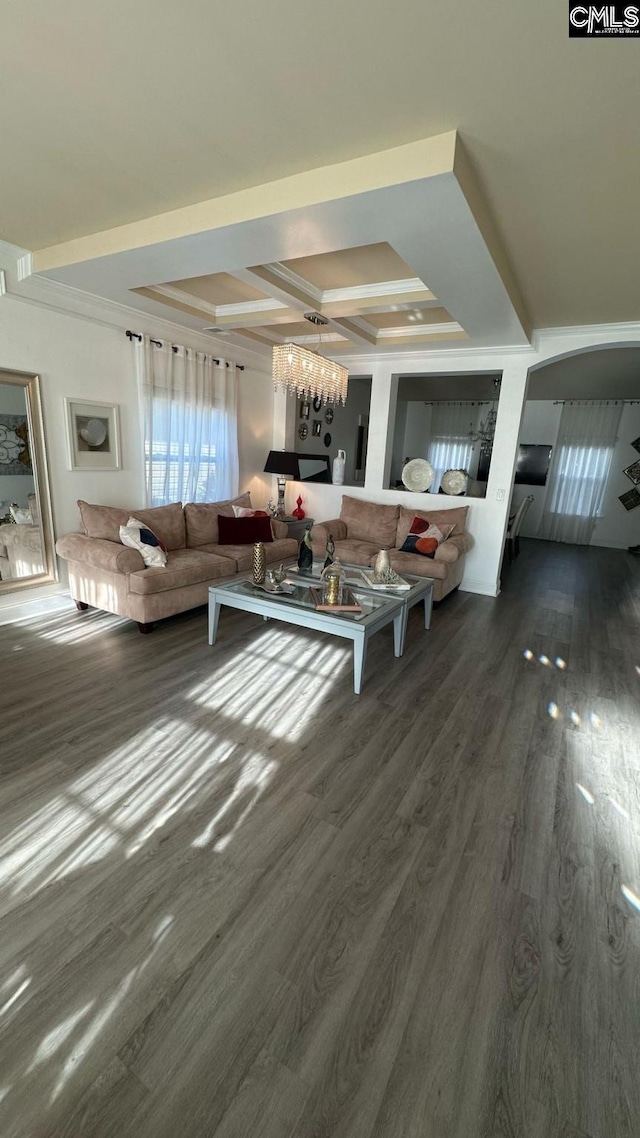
pixel 631 897
pixel 272 679
pixel 8 1004
pixel 84 1044
pixel 252 781
pixel 122 801
pixel 57 1037
pixel 82 627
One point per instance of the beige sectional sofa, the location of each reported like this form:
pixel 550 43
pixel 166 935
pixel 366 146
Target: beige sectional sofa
pixel 364 528
pixel 107 575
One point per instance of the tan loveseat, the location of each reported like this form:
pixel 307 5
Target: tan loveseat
pixel 107 575
pixel 364 528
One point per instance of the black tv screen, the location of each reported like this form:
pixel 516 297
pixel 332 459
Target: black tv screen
pixel 532 466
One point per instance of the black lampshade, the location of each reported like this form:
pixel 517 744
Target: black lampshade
pixel 283 462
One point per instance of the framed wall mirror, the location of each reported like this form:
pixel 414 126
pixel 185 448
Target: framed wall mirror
pixel 446 421
pixel 27 555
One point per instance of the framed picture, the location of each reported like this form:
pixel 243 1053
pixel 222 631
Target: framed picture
pixel 317 427
pixel 317 404
pixel 633 472
pixel 328 416
pixel 305 408
pixel 303 431
pixel 636 444
pixel 631 499
pixel 93 438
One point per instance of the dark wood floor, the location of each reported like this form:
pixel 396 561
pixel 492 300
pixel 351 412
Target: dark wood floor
pixel 239 900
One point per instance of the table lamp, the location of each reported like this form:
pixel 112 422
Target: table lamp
pixel 284 463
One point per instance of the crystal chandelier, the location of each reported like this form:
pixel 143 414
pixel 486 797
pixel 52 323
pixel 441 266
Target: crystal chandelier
pixel 308 374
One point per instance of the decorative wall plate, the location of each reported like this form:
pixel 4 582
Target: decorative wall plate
pixel 328 416
pixel 454 481
pixel 418 475
pixel 303 431
pixel 327 440
pixel 317 403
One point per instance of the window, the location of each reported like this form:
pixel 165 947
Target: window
pixel 189 412
pixel 582 476
pixel 185 468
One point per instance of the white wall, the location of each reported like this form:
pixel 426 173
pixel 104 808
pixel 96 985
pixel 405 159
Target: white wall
pixel 86 359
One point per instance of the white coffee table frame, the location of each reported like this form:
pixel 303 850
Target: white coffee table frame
pixel 345 625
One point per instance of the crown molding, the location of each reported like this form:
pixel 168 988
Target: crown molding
pixel 382 289
pixel 422 359
pixel 216 311
pixel 420 331
pixel 628 328
pixel 288 277
pixel 45 293
pixel 24 266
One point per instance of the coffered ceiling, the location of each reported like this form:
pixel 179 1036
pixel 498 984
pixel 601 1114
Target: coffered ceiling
pixel 365 296
pixel 119 116
pixel 390 252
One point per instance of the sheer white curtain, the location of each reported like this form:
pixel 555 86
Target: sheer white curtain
pixel 189 420
pixel 579 470
pixel 450 447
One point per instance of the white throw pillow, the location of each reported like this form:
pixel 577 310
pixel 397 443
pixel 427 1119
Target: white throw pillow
pixel 140 537
pixel 20 517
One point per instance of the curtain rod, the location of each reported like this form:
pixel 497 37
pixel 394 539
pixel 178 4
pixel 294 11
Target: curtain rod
pixel 561 402
pixel 158 343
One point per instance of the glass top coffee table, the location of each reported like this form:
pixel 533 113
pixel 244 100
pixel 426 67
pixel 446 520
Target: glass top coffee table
pixel 420 588
pixel 298 607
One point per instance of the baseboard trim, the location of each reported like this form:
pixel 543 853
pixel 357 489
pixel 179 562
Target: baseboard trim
pixel 474 585
pixel 22 606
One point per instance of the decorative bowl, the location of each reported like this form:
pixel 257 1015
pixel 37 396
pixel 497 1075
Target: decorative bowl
pixel 418 475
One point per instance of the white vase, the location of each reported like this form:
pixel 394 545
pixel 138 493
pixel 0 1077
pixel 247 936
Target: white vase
pixel 339 464
pixel 382 564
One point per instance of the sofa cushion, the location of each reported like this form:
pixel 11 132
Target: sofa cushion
pixel 351 552
pixel 184 567
pixel 243 531
pixel 369 521
pixel 201 519
pixel 280 549
pixel 440 518
pixel 105 521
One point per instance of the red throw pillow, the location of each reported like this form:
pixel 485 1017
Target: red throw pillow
pixel 243 531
